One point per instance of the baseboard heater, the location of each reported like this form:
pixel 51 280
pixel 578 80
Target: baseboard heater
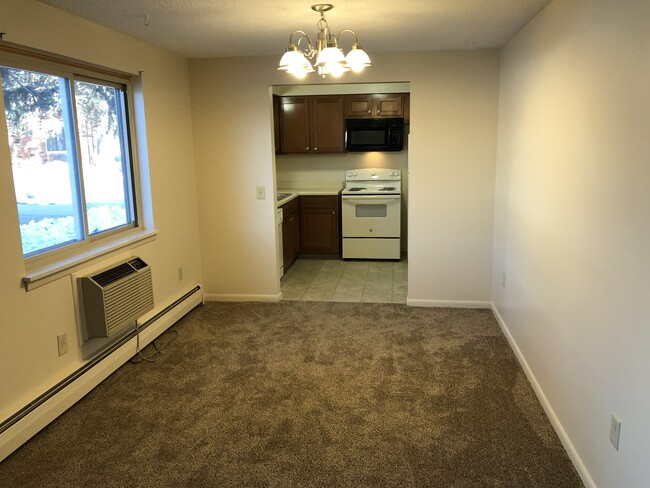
pixel 33 405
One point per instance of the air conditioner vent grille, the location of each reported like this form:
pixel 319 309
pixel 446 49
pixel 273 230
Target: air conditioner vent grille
pixel 125 301
pixel 109 276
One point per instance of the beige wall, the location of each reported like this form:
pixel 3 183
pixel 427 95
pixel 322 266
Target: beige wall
pixel 572 226
pixel 454 98
pixel 29 363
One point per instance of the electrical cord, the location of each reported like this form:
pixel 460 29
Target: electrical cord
pixel 155 346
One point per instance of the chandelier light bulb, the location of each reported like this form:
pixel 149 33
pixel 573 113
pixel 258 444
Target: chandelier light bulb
pixel 298 73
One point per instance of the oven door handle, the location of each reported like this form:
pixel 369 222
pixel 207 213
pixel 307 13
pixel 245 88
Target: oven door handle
pixel 369 198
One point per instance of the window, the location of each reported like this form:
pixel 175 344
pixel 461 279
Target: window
pixel 70 146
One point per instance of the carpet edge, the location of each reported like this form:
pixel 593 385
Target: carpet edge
pixel 580 466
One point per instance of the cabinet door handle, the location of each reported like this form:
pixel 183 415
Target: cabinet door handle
pixel 315 149
pixel 307 148
pixel 369 111
pixel 378 111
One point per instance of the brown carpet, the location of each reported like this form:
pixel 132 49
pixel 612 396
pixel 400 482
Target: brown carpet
pixel 308 394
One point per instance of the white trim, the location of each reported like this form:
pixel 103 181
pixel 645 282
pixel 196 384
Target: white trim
pixel 583 472
pixel 412 302
pixel 32 423
pixel 212 297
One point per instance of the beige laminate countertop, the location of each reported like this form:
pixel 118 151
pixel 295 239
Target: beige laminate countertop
pixel 294 193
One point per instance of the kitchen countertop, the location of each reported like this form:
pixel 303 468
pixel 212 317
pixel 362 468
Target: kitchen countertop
pixel 295 193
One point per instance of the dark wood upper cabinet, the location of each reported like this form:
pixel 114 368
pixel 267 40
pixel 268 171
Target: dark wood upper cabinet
pixel 328 124
pixel 312 124
pixel 295 125
pixel 375 105
pixel 406 103
pixel 276 123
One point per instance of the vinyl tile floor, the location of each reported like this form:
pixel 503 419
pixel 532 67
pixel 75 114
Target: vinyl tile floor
pixel 329 280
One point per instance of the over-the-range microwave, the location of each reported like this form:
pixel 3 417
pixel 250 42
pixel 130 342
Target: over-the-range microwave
pixel 374 134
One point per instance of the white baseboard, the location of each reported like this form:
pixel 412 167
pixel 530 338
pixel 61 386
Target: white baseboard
pixel 211 297
pixel 447 303
pixel 582 470
pixel 32 423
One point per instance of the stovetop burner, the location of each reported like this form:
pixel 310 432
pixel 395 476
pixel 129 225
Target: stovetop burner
pixel 372 181
pixel 371 189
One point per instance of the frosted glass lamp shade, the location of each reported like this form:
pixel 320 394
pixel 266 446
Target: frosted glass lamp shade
pixel 357 59
pixel 331 61
pixel 330 55
pixel 295 62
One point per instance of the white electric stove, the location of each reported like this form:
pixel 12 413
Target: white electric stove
pixel 371 203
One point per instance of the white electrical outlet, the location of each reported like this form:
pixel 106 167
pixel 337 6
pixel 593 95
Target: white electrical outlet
pixel 180 273
pixel 261 192
pixel 615 431
pixel 62 343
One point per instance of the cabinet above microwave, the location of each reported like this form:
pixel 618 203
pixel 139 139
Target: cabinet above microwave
pixel 371 106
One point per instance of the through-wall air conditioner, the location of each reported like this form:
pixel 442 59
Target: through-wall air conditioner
pixel 116 297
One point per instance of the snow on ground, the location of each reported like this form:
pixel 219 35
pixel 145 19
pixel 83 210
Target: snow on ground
pixel 50 183
pixel 47 188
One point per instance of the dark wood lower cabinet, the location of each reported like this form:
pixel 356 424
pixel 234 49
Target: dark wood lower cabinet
pixel 319 224
pixel 310 225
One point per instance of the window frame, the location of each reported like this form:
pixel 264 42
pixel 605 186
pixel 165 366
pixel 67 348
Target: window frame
pixel 51 261
pixel 128 146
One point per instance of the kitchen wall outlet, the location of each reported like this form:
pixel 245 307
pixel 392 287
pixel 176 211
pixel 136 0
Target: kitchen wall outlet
pixel 62 343
pixel 503 280
pixel 180 273
pixel 261 192
pixel 615 431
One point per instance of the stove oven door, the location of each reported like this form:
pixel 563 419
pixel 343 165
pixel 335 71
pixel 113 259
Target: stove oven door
pixel 370 215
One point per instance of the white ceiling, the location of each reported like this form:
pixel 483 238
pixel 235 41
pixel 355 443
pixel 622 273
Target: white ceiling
pixel 220 28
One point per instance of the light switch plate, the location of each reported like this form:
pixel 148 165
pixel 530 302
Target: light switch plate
pixel 62 343
pixel 615 431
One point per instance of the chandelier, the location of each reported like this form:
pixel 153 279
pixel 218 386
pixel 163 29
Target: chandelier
pixel 329 58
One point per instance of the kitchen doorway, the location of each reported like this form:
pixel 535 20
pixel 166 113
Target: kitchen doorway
pixel 312 173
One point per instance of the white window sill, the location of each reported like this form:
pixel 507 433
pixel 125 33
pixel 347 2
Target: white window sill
pixel 39 275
